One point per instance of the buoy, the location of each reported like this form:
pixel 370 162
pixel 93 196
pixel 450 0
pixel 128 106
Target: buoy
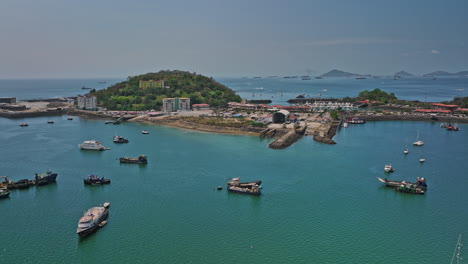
pixel 220 188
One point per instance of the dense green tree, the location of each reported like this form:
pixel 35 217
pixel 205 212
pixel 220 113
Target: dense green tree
pixel 199 88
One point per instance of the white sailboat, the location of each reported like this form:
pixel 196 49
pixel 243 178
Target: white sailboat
pixel 456 253
pixel 418 141
pixel 406 151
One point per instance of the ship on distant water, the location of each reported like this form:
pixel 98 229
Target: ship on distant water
pixel 86 88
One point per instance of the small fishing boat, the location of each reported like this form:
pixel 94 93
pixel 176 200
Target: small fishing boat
pixel 406 151
pixel 95 180
pixel 106 205
pixel 234 185
pixel 119 139
pixel 388 168
pixel 422 160
pixel 145 132
pixel 409 188
pixel 345 124
pixel 51 121
pixel 419 187
pixel 45 178
pixel 24 124
pixel 140 160
pixel 108 122
pixel 69 118
pixel 4 193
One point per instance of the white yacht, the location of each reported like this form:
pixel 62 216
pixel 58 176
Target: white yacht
pixel 91 145
pixel 91 220
pixel 418 141
pixel 388 168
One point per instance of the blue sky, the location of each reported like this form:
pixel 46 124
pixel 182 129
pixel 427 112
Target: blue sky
pixel 116 38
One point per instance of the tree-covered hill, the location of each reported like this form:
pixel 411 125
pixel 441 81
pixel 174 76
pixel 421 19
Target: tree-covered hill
pixel 200 89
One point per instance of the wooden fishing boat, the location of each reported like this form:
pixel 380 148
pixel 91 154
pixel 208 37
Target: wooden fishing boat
pixel 234 185
pixel 418 187
pixel 140 160
pixel 95 180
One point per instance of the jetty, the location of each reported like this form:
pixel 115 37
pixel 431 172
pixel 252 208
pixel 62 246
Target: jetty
pixel 288 139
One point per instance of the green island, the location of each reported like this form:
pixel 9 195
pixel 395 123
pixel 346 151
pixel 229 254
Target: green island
pixel 147 91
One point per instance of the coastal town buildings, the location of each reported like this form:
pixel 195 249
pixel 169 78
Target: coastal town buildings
pixel 176 104
pixel 152 84
pixel 87 102
pixel 8 100
pixel 200 107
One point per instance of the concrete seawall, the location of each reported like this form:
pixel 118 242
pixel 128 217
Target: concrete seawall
pixel 426 118
pixel 288 139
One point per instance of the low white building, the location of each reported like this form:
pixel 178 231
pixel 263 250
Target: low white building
pixel 176 104
pixel 200 107
pixel 87 102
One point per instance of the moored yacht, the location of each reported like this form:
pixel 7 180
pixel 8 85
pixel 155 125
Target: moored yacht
pixel 418 141
pixel 388 168
pixel 90 221
pixel 91 145
pixel 120 139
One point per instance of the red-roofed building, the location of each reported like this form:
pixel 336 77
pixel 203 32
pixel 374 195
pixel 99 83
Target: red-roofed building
pixel 461 110
pixel 200 107
pixel 444 106
pixel 433 111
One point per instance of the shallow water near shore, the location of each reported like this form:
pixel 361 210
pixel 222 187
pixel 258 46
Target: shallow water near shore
pixel 320 203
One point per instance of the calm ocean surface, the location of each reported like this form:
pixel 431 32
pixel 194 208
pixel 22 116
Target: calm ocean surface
pixel 320 203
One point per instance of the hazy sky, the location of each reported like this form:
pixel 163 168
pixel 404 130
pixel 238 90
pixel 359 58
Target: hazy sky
pixel 116 38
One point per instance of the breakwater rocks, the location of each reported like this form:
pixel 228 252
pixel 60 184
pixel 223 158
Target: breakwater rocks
pixel 326 132
pixel 413 117
pixel 288 139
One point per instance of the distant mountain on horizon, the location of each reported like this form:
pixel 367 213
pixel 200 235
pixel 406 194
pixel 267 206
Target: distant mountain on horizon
pixel 404 74
pixel 338 73
pixel 444 73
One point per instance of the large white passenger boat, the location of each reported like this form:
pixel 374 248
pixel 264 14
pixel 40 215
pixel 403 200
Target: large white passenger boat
pixel 91 145
pixel 91 220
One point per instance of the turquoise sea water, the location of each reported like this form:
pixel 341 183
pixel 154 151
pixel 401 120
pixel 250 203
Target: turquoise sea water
pixel 320 203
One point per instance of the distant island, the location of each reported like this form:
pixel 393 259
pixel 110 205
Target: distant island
pixel 338 73
pixel 403 74
pixel 444 73
pixel 147 91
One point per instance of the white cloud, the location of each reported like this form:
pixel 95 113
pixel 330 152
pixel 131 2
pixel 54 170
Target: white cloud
pixel 435 51
pixel 350 41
